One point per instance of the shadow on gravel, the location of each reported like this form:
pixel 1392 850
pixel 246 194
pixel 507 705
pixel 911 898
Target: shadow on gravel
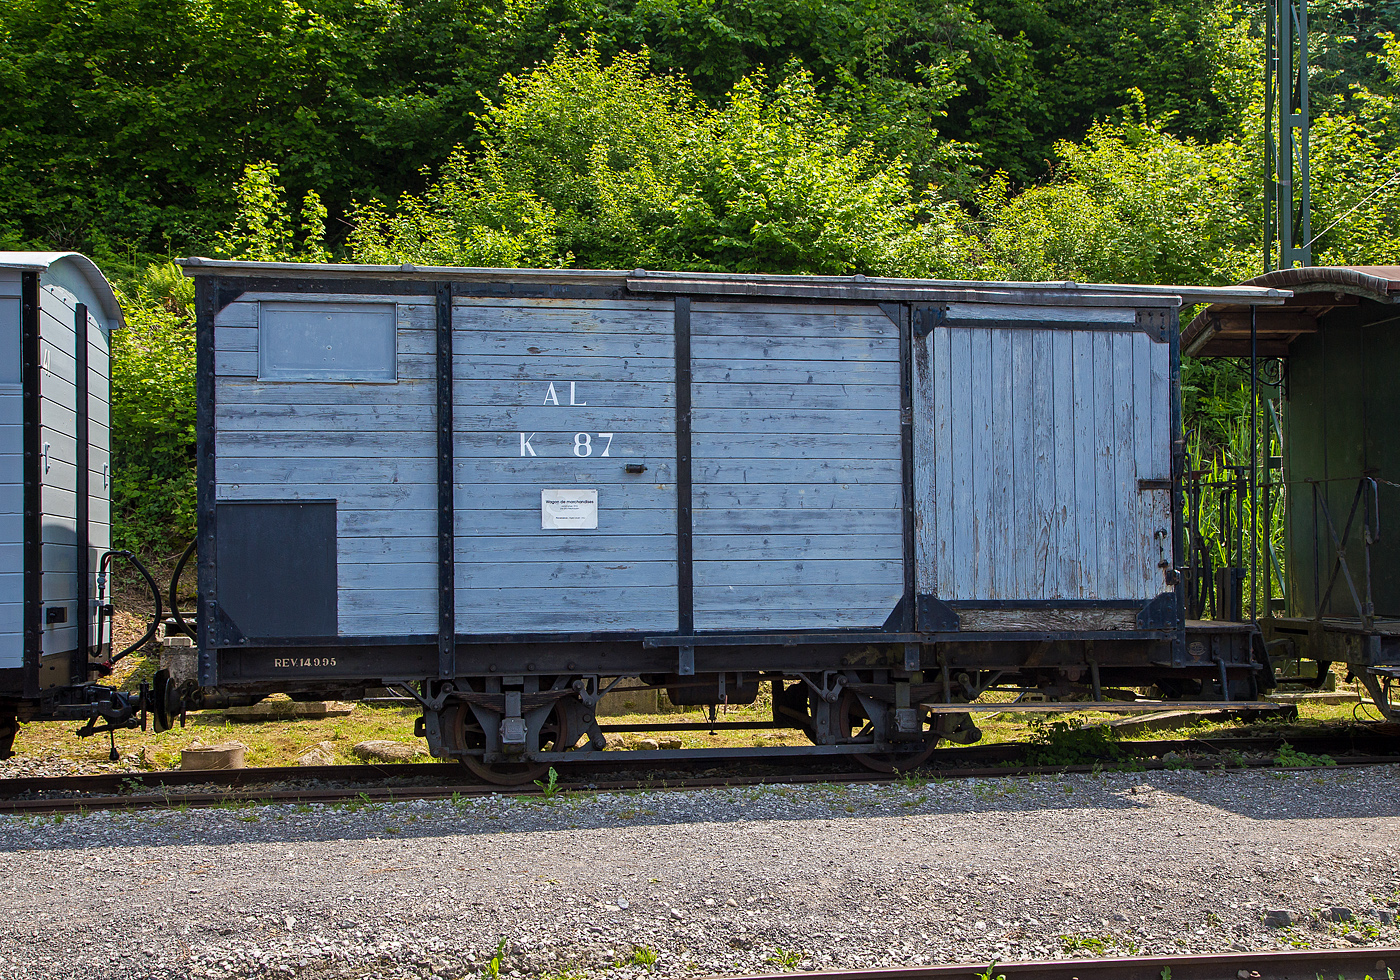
pixel 1349 794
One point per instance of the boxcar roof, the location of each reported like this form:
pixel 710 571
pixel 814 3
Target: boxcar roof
pixel 1223 328
pixel 867 288
pixel 85 269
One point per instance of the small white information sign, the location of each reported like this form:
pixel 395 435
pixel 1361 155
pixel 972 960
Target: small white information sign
pixel 575 509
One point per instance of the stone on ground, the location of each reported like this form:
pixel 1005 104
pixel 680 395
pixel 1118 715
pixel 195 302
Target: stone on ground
pixel 321 754
pixel 384 750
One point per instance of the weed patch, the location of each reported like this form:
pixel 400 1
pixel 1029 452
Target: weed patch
pixel 1059 743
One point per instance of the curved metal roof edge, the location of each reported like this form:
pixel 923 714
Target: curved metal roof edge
pixel 41 261
pixel 644 279
pixel 1352 280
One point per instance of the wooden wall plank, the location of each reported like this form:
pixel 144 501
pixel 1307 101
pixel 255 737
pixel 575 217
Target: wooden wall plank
pixel 983 485
pixel 807 522
pixel 267 394
pixel 788 446
pixel 813 547
pixel 961 580
pixel 812 310
pixel 500 344
pixel 770 323
pixel 575 326
pixel 795 496
pixel 1001 562
pixel 793 428
pixel 1049 315
pixel 728 572
pixel 1129 554
pixel 1085 463
pixel 809 397
pixel 798 421
pixel 805 471
pixel 1020 522
pixel 945 433
pixel 1105 483
pixel 759 370
pixel 1069 576
pixel 1142 459
pixel 600 604
pixel 1041 518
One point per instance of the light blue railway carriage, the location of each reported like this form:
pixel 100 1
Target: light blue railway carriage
pixel 496 489
pixel 57 314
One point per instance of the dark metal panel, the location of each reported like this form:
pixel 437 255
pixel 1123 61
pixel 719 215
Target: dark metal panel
pixel 83 543
pixel 685 571
pixel 33 518
pixel 447 547
pixel 1178 471
pixel 277 567
pixel 209 295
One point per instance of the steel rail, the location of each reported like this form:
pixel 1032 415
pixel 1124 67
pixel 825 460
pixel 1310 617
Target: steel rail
pixel 1292 964
pixel 998 758
pixel 268 786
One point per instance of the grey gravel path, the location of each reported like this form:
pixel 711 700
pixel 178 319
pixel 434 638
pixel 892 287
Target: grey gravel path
pixel 709 881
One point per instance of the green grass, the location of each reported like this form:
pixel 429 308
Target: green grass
pixel 279 743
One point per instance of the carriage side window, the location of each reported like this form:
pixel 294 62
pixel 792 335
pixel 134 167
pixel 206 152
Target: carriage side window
pixel 327 342
pixel 10 353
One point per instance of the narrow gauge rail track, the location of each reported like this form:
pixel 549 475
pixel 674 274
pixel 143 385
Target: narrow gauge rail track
pixel 426 781
pixel 1293 964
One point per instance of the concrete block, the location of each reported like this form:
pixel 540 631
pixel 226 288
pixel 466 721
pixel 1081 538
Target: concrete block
pixel 180 656
pixel 629 699
pixel 229 755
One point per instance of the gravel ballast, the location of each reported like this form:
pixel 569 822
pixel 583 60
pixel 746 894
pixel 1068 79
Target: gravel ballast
pixel 710 881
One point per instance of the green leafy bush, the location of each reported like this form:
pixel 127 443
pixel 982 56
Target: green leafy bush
pixel 153 414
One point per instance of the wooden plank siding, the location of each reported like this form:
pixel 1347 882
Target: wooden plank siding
pixel 59 462
pixel 371 447
pixel 1031 431
pixel 590 388
pixel 1030 441
pixel 797 481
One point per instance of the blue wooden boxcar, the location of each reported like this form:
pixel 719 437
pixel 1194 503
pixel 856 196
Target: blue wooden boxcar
pixel 496 489
pixel 57 313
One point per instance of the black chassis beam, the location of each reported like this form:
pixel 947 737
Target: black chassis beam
pixel 306 667
pixel 1318 641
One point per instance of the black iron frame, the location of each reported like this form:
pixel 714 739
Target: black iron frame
pixel 685 527
pixel 77 672
pixel 446 528
pixel 33 504
pixel 209 300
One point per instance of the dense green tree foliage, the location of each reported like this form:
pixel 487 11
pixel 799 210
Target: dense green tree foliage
pixel 1018 139
pixel 614 166
pixel 124 123
pixel 153 413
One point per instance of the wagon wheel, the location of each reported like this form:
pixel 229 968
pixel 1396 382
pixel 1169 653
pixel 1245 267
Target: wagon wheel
pixel 852 722
pixel 464 733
